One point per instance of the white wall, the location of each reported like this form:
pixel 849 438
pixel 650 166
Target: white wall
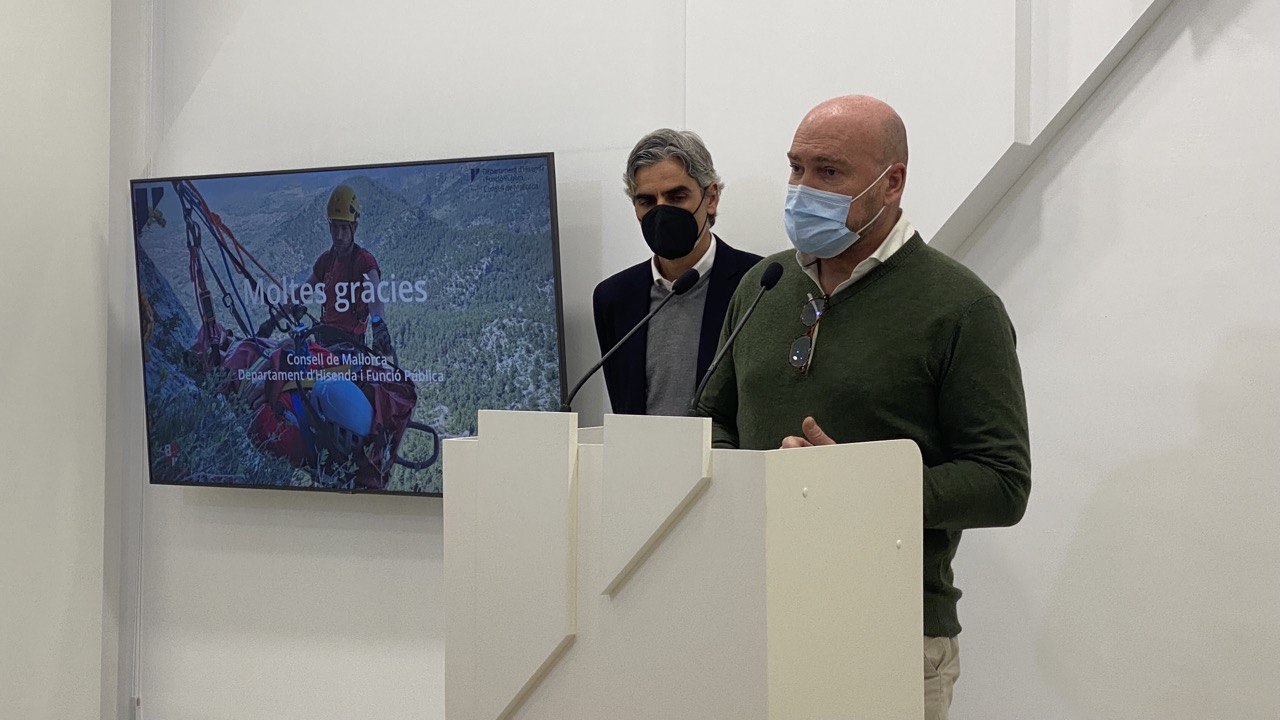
pixel 1065 43
pixel 755 68
pixel 1138 259
pixel 264 604
pixel 53 219
pixel 231 579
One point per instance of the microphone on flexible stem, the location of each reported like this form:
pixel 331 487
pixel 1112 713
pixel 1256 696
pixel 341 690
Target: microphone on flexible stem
pixel 768 279
pixel 681 286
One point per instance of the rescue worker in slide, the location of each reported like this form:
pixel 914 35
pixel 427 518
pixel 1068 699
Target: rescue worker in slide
pixel 346 312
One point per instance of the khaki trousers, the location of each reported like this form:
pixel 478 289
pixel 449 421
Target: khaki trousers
pixel 941 670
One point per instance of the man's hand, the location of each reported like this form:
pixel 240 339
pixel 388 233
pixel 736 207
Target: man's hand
pixel 382 339
pixel 813 436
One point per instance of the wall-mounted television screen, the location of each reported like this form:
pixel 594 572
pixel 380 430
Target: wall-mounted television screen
pixel 326 329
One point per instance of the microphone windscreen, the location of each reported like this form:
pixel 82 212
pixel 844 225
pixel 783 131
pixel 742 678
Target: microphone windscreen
pixel 685 282
pixel 771 276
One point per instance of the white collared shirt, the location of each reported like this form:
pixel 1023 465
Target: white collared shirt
pixel 703 266
pixel 898 236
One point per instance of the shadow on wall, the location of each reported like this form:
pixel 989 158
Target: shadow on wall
pixel 1205 22
pixel 1218 17
pixel 1173 575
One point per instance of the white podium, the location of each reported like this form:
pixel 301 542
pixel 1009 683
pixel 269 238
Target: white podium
pixel 631 572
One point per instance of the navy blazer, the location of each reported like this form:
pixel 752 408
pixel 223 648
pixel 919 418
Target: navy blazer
pixel 622 300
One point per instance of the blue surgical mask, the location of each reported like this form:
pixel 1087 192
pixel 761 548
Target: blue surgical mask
pixel 815 219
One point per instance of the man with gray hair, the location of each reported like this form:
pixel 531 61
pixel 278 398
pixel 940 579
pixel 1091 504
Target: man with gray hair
pixel 675 191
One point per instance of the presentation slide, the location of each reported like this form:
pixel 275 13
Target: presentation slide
pixel 326 329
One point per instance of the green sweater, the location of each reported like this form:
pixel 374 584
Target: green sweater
pixel 919 348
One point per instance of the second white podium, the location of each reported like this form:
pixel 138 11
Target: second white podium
pixel 632 572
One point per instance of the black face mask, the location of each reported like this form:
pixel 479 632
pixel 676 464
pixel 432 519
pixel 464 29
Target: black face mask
pixel 670 231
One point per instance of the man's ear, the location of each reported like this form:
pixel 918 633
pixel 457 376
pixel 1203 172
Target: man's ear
pixel 896 182
pixel 713 198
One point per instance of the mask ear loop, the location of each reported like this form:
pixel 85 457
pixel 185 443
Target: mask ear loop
pixel 873 184
pixel 875 217
pixel 703 229
pixel 870 222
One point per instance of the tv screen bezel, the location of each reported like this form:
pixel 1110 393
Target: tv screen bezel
pixel 549 157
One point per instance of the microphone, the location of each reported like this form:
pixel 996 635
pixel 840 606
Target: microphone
pixel 682 285
pixel 772 274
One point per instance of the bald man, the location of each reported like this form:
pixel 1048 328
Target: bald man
pixel 873 335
